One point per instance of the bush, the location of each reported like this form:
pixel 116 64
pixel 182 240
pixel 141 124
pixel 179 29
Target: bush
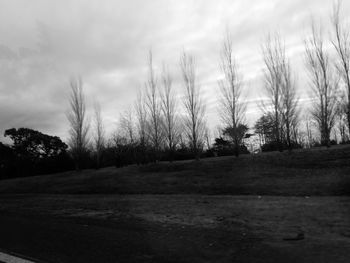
pixel 275 146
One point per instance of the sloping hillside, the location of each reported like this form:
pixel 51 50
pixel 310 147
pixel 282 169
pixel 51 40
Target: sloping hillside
pixel 305 172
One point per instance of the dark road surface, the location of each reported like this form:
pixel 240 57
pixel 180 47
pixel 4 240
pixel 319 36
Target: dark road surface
pixel 62 240
pixel 51 239
pixel 65 241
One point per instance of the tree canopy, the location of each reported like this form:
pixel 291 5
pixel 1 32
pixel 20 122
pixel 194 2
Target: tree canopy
pixel 34 144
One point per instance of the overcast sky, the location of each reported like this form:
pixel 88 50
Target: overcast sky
pixel 44 43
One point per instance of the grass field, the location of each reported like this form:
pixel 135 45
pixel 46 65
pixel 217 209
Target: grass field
pixel 306 172
pixel 225 209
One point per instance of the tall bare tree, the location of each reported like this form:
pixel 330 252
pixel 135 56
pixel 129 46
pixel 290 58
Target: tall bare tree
pixel 170 118
pixel 323 82
pixel 194 105
pixel 154 107
pixel 290 112
pixel 99 136
pixel 273 55
pixel 341 43
pixel 207 136
pixel 309 132
pixel 281 90
pixel 342 121
pixel 141 115
pixel 232 108
pixel 127 126
pixel 76 115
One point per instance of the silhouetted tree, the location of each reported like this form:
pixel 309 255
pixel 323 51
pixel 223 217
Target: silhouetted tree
pixel 79 128
pixel 264 127
pixel 7 161
pixel 224 146
pixel 238 132
pixel 34 152
pixel 35 144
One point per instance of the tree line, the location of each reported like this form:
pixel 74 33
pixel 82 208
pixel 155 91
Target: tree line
pixel 164 122
pixel 165 125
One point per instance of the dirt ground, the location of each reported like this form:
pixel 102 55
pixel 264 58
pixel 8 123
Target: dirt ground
pixel 193 228
pixel 271 207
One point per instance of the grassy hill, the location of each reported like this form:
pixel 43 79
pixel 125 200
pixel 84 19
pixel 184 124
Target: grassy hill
pixel 318 171
pixel 225 209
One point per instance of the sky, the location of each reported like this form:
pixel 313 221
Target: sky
pixel 45 43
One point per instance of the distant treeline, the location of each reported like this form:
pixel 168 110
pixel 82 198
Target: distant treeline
pixel 34 153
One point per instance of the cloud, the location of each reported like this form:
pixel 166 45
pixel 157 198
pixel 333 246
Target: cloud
pixel 43 43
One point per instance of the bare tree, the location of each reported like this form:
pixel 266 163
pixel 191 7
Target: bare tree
pixel 169 105
pixel 342 121
pixel 194 105
pixel 232 109
pixel 127 127
pixel 342 46
pixel 290 112
pixel 324 85
pixel 154 108
pixel 309 132
pixel 207 135
pixel 281 90
pixel 79 128
pixel 141 115
pixel 99 136
pixel 273 55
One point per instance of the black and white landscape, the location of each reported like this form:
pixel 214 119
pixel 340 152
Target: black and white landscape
pixel 174 131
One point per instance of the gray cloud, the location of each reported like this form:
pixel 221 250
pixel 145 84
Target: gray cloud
pixel 43 43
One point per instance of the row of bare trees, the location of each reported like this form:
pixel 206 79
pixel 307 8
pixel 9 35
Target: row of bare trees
pixel 79 140
pixel 329 76
pixel 159 121
pixel 329 82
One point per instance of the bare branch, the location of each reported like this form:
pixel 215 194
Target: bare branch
pixel 232 108
pixel 169 109
pixel 154 107
pixel 99 137
pixel 323 82
pixel 341 43
pixel 194 106
pixel 79 140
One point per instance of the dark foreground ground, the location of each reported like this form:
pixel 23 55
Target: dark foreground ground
pixel 176 228
pixel 249 209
